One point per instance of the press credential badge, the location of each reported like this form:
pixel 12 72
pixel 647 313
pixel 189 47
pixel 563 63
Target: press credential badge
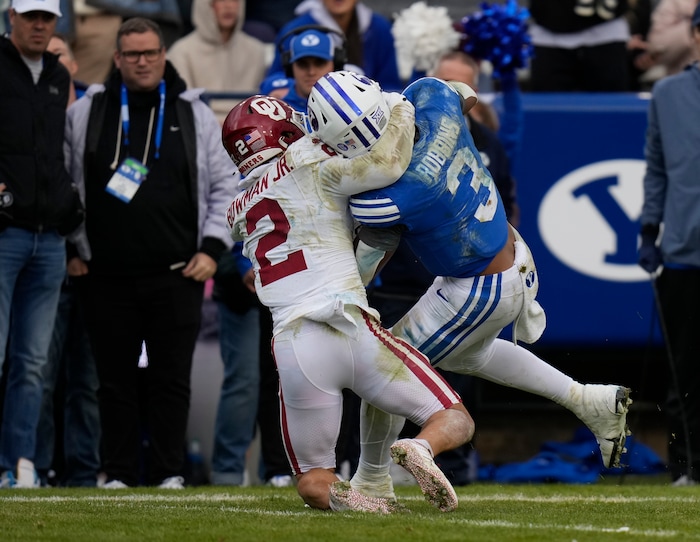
pixel 127 179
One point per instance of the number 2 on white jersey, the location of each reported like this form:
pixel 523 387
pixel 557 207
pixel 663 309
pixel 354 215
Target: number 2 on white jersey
pixel 294 262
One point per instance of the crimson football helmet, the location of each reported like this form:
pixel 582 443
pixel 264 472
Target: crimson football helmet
pixel 258 129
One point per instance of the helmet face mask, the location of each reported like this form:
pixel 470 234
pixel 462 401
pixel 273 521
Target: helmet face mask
pixel 348 112
pixel 258 129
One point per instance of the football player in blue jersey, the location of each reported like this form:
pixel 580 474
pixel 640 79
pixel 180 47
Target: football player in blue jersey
pixel 448 210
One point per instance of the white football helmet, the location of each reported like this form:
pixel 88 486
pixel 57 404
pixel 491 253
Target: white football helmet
pixel 348 112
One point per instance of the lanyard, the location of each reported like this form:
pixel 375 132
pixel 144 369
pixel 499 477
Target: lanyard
pixel 126 124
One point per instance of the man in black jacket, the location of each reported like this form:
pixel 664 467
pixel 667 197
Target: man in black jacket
pixel 146 154
pixel 38 206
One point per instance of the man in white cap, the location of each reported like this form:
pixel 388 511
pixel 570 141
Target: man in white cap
pixel 33 23
pixel 38 208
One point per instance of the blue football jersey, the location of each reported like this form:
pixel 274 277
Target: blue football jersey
pixel 454 218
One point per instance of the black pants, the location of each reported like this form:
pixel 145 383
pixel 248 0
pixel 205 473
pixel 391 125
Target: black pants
pixel 153 402
pixel 601 68
pixel 679 294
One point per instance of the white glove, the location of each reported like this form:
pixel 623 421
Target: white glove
pixel 393 98
pixel 466 92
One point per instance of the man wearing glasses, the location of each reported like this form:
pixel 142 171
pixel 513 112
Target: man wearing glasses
pixel 146 154
pixel 38 207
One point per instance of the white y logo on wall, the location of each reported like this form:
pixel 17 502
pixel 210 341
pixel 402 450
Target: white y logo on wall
pixel 589 220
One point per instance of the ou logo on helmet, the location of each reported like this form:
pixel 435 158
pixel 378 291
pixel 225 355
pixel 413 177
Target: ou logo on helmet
pixel 269 108
pixel 589 220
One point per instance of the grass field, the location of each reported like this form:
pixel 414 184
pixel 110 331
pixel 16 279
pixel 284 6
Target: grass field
pixel 487 512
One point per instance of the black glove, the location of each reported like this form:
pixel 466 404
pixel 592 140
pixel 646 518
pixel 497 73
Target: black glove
pixel 650 254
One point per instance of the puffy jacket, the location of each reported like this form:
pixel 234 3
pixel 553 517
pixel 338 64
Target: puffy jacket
pixel 39 193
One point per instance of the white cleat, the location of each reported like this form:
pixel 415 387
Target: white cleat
pixel 343 497
pixel 417 460
pixel 603 408
pixel 385 490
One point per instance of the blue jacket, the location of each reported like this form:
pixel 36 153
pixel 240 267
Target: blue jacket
pixel 672 180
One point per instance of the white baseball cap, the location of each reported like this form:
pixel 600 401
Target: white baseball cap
pixel 24 6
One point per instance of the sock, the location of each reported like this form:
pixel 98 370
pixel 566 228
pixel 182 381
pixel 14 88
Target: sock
pixel 378 431
pixel 516 367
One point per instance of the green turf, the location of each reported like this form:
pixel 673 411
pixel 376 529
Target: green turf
pixel 487 512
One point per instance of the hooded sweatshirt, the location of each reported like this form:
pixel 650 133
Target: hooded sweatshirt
pixel 203 60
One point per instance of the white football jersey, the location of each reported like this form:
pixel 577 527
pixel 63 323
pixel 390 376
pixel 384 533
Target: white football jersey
pixel 296 228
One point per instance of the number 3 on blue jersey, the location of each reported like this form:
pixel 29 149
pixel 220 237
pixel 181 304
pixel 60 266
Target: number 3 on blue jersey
pixel 481 183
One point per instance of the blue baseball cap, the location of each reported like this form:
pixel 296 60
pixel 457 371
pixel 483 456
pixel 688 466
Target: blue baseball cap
pixel 311 43
pixel 696 16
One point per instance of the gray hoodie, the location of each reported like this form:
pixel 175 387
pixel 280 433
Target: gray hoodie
pixel 204 61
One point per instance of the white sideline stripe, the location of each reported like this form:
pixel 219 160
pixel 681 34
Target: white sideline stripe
pixel 123 495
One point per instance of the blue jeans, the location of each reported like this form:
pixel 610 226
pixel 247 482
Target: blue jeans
pixel 32 267
pixel 70 369
pixel 239 336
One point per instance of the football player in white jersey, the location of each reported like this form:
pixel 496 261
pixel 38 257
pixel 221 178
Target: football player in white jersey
pixel 447 209
pixel 293 219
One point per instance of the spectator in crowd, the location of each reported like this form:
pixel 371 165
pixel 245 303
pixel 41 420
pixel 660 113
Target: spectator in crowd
pixel 60 47
pixel 319 307
pixel 95 30
pixel 38 207
pixel 672 199
pixel 670 45
pixel 218 55
pixel 369 42
pixel 159 172
pixel 311 54
pixel 580 45
pixel 70 376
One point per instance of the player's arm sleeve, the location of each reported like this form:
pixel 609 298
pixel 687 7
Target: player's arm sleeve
pixel 385 162
pixel 655 178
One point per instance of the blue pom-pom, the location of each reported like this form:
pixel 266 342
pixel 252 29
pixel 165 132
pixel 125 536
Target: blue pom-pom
pixel 498 33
